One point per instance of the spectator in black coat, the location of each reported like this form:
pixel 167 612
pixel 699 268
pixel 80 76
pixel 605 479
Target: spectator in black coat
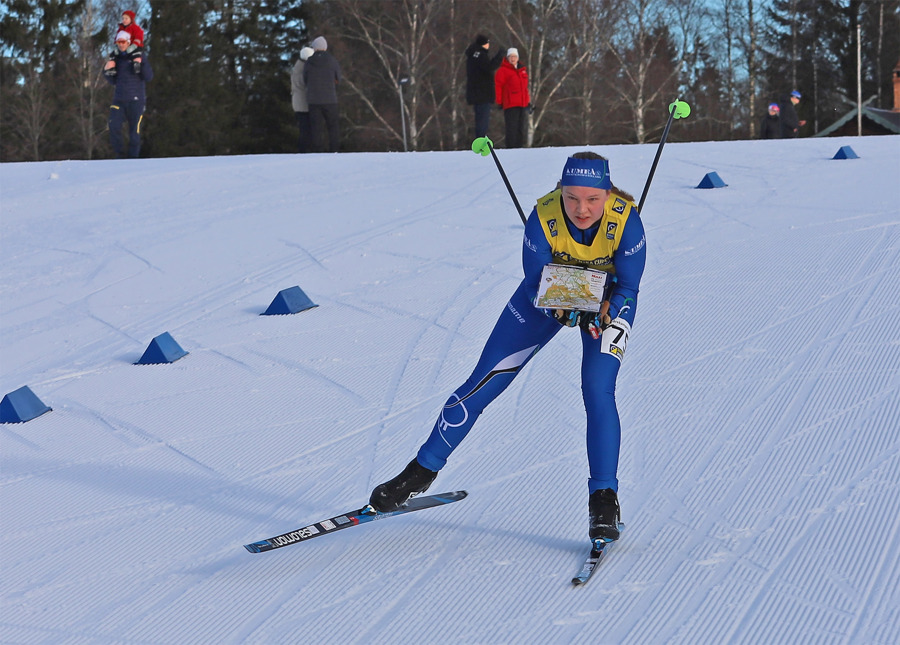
pixel 129 98
pixel 771 125
pixel 790 122
pixel 480 68
pixel 322 75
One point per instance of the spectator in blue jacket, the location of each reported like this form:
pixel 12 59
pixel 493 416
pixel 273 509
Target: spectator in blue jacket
pixel 129 98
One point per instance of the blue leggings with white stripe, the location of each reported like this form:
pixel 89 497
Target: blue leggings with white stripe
pixel 519 333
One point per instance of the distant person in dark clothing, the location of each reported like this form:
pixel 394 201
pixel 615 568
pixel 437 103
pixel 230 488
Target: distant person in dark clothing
pixel 322 75
pixel 790 122
pixel 130 98
pixel 771 125
pixel 480 69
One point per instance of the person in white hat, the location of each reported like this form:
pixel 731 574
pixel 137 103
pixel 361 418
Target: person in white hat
pixel 511 88
pixel 129 99
pixel 299 100
pixel 322 75
pixel 135 48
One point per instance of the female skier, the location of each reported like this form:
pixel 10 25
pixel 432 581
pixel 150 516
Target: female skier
pixel 586 222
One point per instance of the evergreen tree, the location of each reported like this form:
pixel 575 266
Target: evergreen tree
pixel 257 45
pixel 37 52
pixel 188 110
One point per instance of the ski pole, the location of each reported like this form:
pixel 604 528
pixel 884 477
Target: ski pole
pixel 677 110
pixel 484 147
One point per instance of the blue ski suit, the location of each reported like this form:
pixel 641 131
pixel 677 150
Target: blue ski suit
pixel 616 244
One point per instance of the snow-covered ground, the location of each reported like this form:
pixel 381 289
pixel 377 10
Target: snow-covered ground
pixel 760 399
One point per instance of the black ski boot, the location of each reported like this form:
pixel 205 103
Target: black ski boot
pixel 604 512
pixel 394 493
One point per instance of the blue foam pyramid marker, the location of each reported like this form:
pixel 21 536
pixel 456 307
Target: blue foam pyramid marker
pixel 20 406
pixel 289 301
pixel 845 152
pixel 162 349
pixel 711 180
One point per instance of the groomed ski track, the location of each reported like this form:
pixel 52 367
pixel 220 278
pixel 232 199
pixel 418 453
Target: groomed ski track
pixel 760 399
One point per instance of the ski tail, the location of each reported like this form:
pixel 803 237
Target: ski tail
pixel 592 561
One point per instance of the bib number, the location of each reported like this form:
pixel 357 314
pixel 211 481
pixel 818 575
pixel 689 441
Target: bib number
pixel 615 338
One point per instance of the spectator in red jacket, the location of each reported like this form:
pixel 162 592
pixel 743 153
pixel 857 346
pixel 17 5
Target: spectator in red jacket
pixel 128 24
pixel 135 49
pixel 511 85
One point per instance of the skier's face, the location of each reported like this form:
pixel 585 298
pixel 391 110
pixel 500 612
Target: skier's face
pixel 122 45
pixel 126 19
pixel 584 205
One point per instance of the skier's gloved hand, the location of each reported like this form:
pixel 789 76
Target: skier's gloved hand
pixel 594 323
pixel 566 318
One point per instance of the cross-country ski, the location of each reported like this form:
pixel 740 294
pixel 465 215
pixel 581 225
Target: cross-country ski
pixel 593 560
pixel 352 518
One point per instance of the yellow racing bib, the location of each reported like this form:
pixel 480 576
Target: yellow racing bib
pixel 598 255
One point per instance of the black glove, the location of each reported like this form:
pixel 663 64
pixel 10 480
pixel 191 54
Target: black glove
pixel 136 65
pixel 594 323
pixel 567 318
pixel 111 72
pixel 530 108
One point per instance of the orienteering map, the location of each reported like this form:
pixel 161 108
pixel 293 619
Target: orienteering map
pixel 570 287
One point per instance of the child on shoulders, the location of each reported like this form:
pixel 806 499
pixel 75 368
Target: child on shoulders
pixel 135 49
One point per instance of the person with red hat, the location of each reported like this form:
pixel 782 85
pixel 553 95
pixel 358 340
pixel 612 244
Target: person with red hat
pixel 129 99
pixel 135 48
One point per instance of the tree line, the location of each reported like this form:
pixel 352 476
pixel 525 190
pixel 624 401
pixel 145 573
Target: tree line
pixel 601 71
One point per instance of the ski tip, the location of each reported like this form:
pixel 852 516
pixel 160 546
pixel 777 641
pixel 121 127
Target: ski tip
pixel 256 547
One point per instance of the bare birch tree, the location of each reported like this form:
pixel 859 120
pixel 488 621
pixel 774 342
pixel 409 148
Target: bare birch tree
pixel 638 42
pixel 398 35
pixel 563 42
pixel 85 75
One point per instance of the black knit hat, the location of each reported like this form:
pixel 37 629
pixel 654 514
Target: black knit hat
pixel 481 40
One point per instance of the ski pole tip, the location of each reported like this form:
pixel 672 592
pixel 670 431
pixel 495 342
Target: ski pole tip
pixel 482 146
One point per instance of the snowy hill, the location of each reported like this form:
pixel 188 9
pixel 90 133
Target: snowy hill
pixel 760 469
